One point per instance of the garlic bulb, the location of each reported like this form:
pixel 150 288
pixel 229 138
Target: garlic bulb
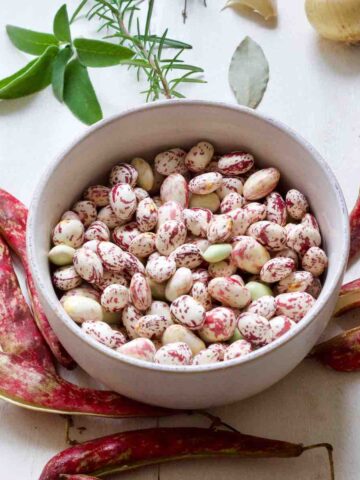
pixel 266 8
pixel 335 19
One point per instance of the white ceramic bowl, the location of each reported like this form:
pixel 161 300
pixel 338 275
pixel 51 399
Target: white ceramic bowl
pixel 143 132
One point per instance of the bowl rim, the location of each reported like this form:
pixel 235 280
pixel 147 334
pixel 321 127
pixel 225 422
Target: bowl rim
pixel 187 369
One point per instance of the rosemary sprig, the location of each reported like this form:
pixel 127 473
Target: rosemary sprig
pixel 121 20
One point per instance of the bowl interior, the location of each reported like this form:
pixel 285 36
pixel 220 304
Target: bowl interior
pixel 146 131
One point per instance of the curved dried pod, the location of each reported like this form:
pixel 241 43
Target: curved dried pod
pixel 266 8
pixel 337 20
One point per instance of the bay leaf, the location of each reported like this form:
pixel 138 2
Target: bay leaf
pixel 248 73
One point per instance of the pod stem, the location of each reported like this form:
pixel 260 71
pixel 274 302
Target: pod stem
pixel 216 422
pixel 329 449
pixel 69 423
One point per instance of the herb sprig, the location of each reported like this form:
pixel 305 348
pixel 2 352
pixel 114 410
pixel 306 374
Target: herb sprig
pixel 63 61
pixel 121 20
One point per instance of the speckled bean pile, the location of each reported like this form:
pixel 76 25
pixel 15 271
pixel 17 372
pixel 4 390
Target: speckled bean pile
pixel 189 259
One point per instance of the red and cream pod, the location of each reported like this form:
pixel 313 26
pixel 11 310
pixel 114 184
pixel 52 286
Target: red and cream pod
pixel 229 128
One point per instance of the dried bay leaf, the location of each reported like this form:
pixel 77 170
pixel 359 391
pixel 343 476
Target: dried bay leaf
pixel 265 8
pixel 248 73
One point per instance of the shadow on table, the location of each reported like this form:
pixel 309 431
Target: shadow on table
pixel 7 107
pixel 341 58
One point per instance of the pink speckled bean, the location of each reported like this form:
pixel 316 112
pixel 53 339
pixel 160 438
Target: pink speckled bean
pixel 199 157
pixel 213 354
pixel 66 278
pixel 229 291
pixel 110 278
pixel 114 298
pixel 88 265
pixel 220 228
pixel 219 325
pixel 276 208
pixel 86 211
pixel 160 268
pixel 201 294
pixel 85 291
pixel 295 282
pixel 294 305
pixel 201 275
pixel 140 292
pixel 229 184
pixel 129 317
pixel 310 221
pixel 171 161
pixel 296 204
pixel 276 269
pixel 254 328
pixel 174 354
pixel 97 231
pixel 171 210
pixel 235 163
pixel 101 332
pixel 70 215
pixel 238 349
pixel 315 261
pixel 98 194
pixel 232 201
pixel 301 238
pixel 107 215
pixel 140 348
pixel 269 234
pixel 188 312
pixel 205 183
pixel 161 309
pixel 175 188
pixel 255 212
pixel 69 232
pixel 187 255
pixel 261 183
pixel 249 255
pixel 111 256
pixel 169 236
pixel 197 220
pixel 123 173
pixel 290 253
pixel 225 268
pixel 123 201
pixel 152 326
pixel 140 194
pixel 314 289
pixel 264 306
pixel 240 221
pixel 143 245
pixel 125 234
pixel 179 284
pixel 280 325
pixel 146 215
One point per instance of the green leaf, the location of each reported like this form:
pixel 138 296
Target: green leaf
pixel 32 78
pixel 58 72
pixel 61 25
pixel 78 10
pixel 79 94
pixel 248 73
pixel 96 53
pixel 29 41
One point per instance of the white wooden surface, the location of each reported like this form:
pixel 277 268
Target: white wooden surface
pixel 314 87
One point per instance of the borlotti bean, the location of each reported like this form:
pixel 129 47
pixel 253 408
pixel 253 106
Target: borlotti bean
pixel 189 258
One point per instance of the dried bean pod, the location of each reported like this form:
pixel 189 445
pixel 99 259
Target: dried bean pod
pixel 86 211
pixel 114 298
pixel 174 354
pixel 295 282
pixel 97 231
pixel 296 204
pixel 140 292
pixel 264 306
pixel 261 183
pixel 123 201
pixel 238 349
pixel 315 261
pixel 276 269
pixel 145 177
pixel 146 215
pixel 294 305
pixel 98 194
pixel 139 348
pixel 219 325
pixel 229 184
pixel 175 188
pixel 205 183
pixel 66 278
pixel 171 161
pixel 160 268
pixel 88 265
pixel 69 232
pixel 123 173
pixel 125 234
pixel 254 328
pixel 169 236
pixel 188 312
pixel 276 208
pixel 235 163
pixel 199 157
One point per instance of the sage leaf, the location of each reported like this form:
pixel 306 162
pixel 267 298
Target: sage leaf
pixel 79 94
pixel 265 8
pixel 96 53
pixel 35 76
pixel 58 72
pixel 61 25
pixel 248 73
pixel 29 41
